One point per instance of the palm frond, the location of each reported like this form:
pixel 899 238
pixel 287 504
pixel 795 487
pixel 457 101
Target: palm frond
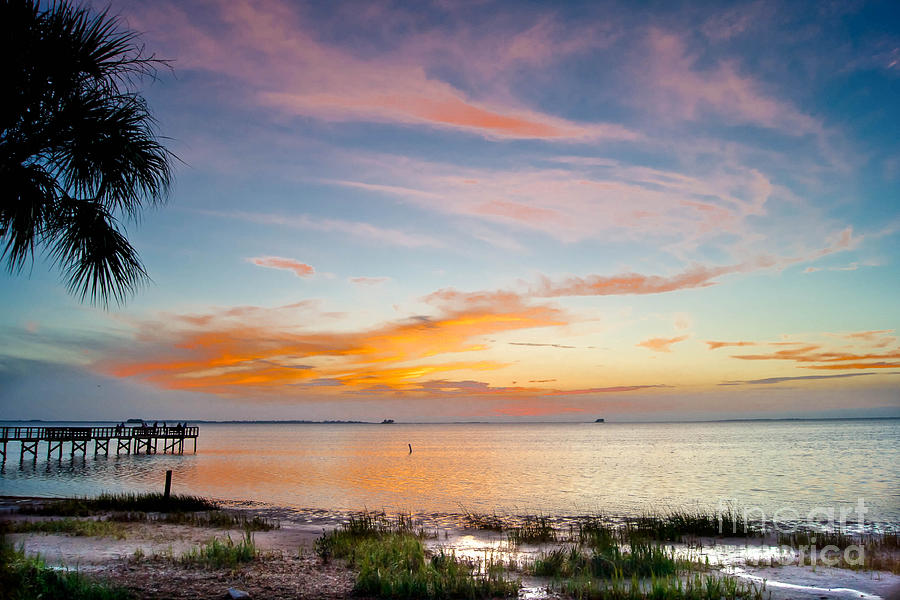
pixel 78 144
pixel 98 262
pixel 29 197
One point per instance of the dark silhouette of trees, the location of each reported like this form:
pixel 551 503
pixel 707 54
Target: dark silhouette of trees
pixel 78 146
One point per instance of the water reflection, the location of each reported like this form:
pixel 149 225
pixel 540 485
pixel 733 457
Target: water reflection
pixel 554 469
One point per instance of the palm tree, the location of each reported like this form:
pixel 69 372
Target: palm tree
pixel 78 146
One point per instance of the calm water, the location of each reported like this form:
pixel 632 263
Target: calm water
pixel 560 469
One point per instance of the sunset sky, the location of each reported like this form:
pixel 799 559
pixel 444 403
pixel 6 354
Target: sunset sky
pixel 485 211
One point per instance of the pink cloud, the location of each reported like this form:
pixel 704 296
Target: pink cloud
pixel 288 264
pixel 684 90
pixel 633 283
pixel 356 229
pixel 277 58
pixel 577 198
pixel 662 344
pixel 369 280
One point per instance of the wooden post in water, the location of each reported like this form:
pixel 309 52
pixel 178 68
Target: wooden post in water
pixel 168 484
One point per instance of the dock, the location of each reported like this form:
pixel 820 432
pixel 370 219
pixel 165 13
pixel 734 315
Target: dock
pixel 127 439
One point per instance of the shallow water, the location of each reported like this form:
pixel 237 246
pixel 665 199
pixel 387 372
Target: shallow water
pixel 558 469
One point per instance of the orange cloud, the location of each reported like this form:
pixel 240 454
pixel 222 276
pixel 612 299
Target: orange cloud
pixel 633 283
pixel 224 354
pixel 288 264
pixel 715 345
pixel 662 344
pixel 865 351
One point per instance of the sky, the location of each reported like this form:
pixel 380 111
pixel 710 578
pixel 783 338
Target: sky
pixel 497 211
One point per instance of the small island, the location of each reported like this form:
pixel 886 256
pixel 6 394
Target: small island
pixel 600 421
pixel 387 422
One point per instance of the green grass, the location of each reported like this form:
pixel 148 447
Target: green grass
pixel 340 542
pixel 145 502
pixel 76 527
pixel 533 530
pixel 391 562
pixel 396 566
pixel 595 533
pixel 675 525
pixel 28 578
pixel 219 554
pixel 641 559
pixel 877 551
pixel 696 587
pixel 483 521
pixel 671 526
pixel 214 518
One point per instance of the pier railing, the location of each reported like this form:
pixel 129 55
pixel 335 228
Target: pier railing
pixel 128 439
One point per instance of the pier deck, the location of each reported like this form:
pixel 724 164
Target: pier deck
pixel 128 439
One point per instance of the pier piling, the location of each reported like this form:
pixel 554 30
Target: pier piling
pixel 142 438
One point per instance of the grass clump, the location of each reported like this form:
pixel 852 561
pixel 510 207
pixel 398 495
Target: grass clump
pixel 675 525
pixel 535 529
pixel 29 578
pixel 340 542
pixel 483 521
pixel 392 562
pixel 875 551
pixel 697 587
pixel 144 502
pixel 75 527
pixel 396 566
pixel 218 554
pixel 641 559
pixel 214 518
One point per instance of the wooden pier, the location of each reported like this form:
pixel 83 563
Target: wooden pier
pixel 128 439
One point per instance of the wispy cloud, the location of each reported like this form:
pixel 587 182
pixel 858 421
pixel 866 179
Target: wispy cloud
pixel 774 380
pixel 716 345
pixel 861 350
pixel 369 280
pixel 288 264
pixel 354 229
pixel 684 89
pixel 662 344
pixel 539 345
pixel 277 57
pixel 575 198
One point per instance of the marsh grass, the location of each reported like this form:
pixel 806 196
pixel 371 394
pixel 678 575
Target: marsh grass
pixel 594 532
pixel 483 521
pixel 340 542
pixel 640 559
pixel 396 566
pixel 144 502
pixel 220 554
pixel 25 578
pixel 214 518
pixel 391 562
pixel 875 551
pixel 696 587
pixel 673 526
pixel 534 529
pixel 67 526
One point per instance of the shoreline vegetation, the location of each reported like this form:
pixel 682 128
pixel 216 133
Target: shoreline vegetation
pixel 375 555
